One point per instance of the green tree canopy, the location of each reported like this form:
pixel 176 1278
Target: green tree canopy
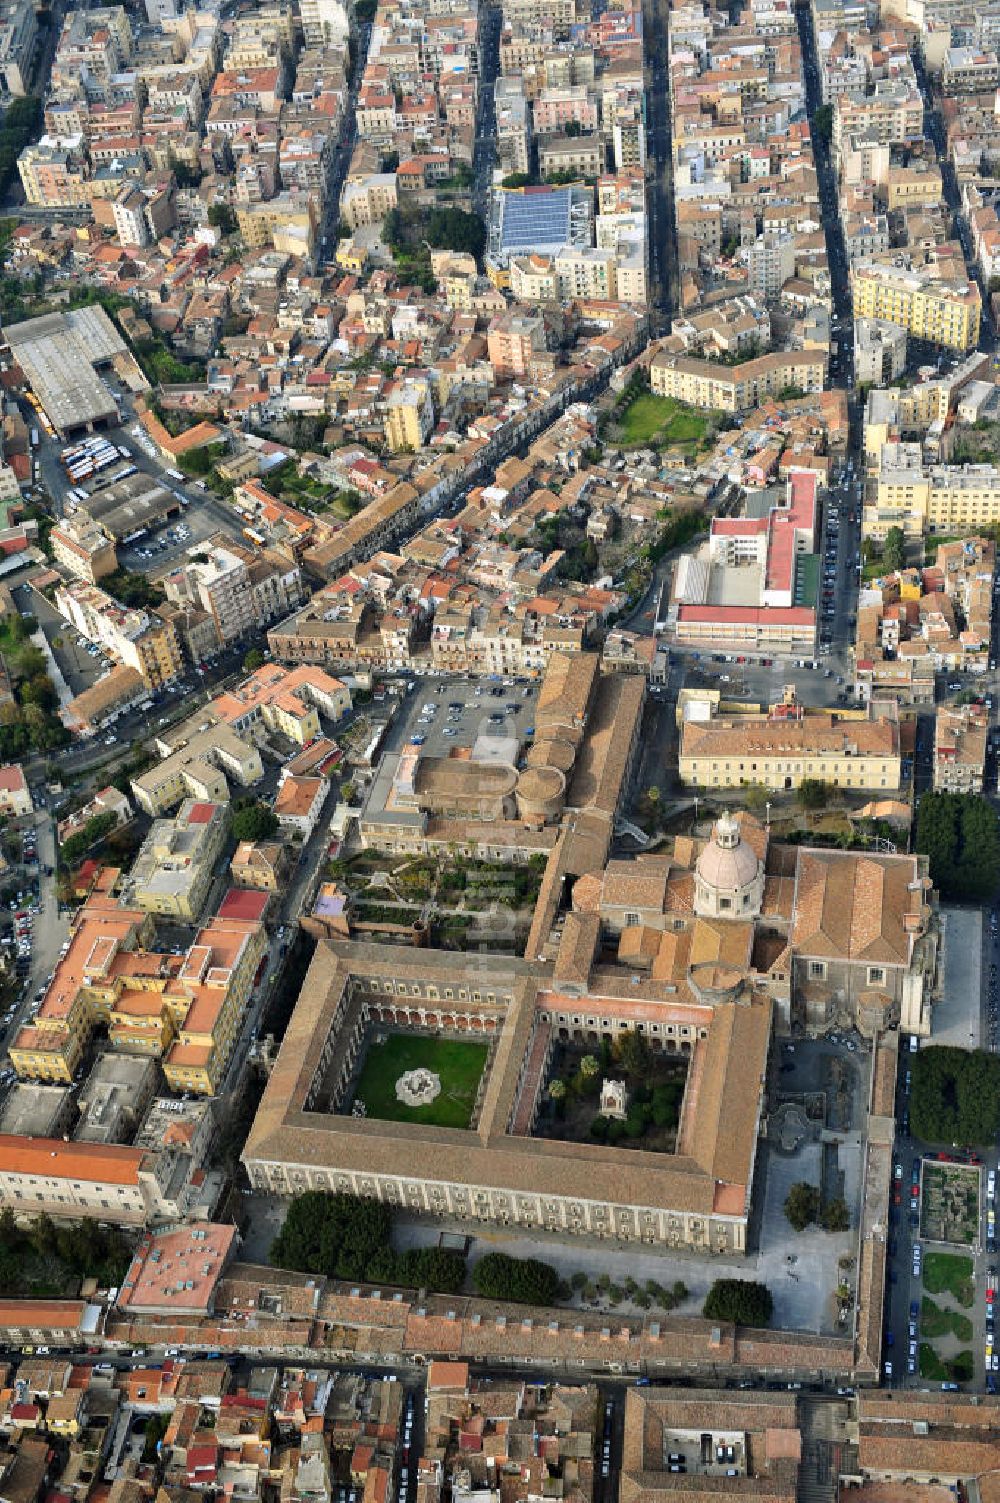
pixel 955 1096
pixel 526 1280
pixel 457 230
pixel 835 1216
pixel 894 550
pixel 961 835
pixel 822 122
pixel 254 821
pixel 802 1205
pixel 632 1052
pixel 94 831
pixel 343 1237
pixel 812 793
pixel 743 1302
pixel 222 217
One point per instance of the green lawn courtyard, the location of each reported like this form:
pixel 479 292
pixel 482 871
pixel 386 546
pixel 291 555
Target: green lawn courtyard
pixel 936 1322
pixel 958 1370
pixel 661 421
pixel 950 1273
pixel 458 1062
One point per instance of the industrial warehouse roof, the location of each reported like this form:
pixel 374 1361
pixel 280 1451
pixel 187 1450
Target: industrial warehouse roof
pixel 542 220
pixel 130 506
pixel 57 353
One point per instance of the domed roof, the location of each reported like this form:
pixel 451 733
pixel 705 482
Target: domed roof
pixel 727 863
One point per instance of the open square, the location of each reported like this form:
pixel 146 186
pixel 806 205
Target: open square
pixel 458 1063
pixel 950 1203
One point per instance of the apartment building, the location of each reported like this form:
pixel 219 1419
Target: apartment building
pixel 287 222
pixel 298 804
pixel 892 114
pixel 582 155
pixel 969 70
pixel 259 864
pixel 746 586
pixel 129 209
pixel 367 200
pixel 136 639
pixel 175 867
pixel 325 22
pixel 879 351
pixel 586 272
pixel 18 35
pixel 942 313
pixel 960 742
pixel 770 261
pixel 780 749
pixel 217 976
pixel 912 183
pixel 935 498
pixel 198 761
pixel 513 342
pixel 94 46
pixel 54 173
pixel 184 1011
pixel 237 588
pixel 15 795
pixel 284 701
pixel 96 1181
pixel 512 112
pixel 736 388
pixel 409 416
pixel 83 548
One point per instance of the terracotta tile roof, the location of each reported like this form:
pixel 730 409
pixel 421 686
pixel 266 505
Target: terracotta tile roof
pixel 52 1158
pixel 855 906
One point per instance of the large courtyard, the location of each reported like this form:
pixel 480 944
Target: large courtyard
pixel 458 1065
pixel 653 1091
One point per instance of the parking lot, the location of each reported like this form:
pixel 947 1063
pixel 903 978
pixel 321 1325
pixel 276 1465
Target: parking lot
pixel 448 716
pixel 170 538
pixel 81 663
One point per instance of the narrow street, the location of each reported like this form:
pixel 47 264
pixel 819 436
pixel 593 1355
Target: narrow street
pixel 341 158
pixel 663 288
pixel 934 130
pixel 484 154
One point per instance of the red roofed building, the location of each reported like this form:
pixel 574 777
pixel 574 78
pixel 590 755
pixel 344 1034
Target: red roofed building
pixel 750 586
pixel 15 795
pixel 176 1273
pixel 245 903
pixel 202 1464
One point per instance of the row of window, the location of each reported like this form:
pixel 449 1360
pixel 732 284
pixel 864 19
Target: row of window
pixel 817 971
pixel 670 1030
pixel 862 782
pixel 431 993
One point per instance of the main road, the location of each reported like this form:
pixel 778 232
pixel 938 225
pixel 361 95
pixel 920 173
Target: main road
pixel 663 288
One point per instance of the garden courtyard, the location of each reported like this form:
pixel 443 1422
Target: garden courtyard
pixel 654 1090
pixel 945 1328
pixel 650 421
pixel 456 1065
pixel 950 1203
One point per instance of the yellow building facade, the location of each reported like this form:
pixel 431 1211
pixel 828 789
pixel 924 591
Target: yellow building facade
pixel 942 313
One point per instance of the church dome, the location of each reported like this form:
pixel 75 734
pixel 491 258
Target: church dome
pixel 727 863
